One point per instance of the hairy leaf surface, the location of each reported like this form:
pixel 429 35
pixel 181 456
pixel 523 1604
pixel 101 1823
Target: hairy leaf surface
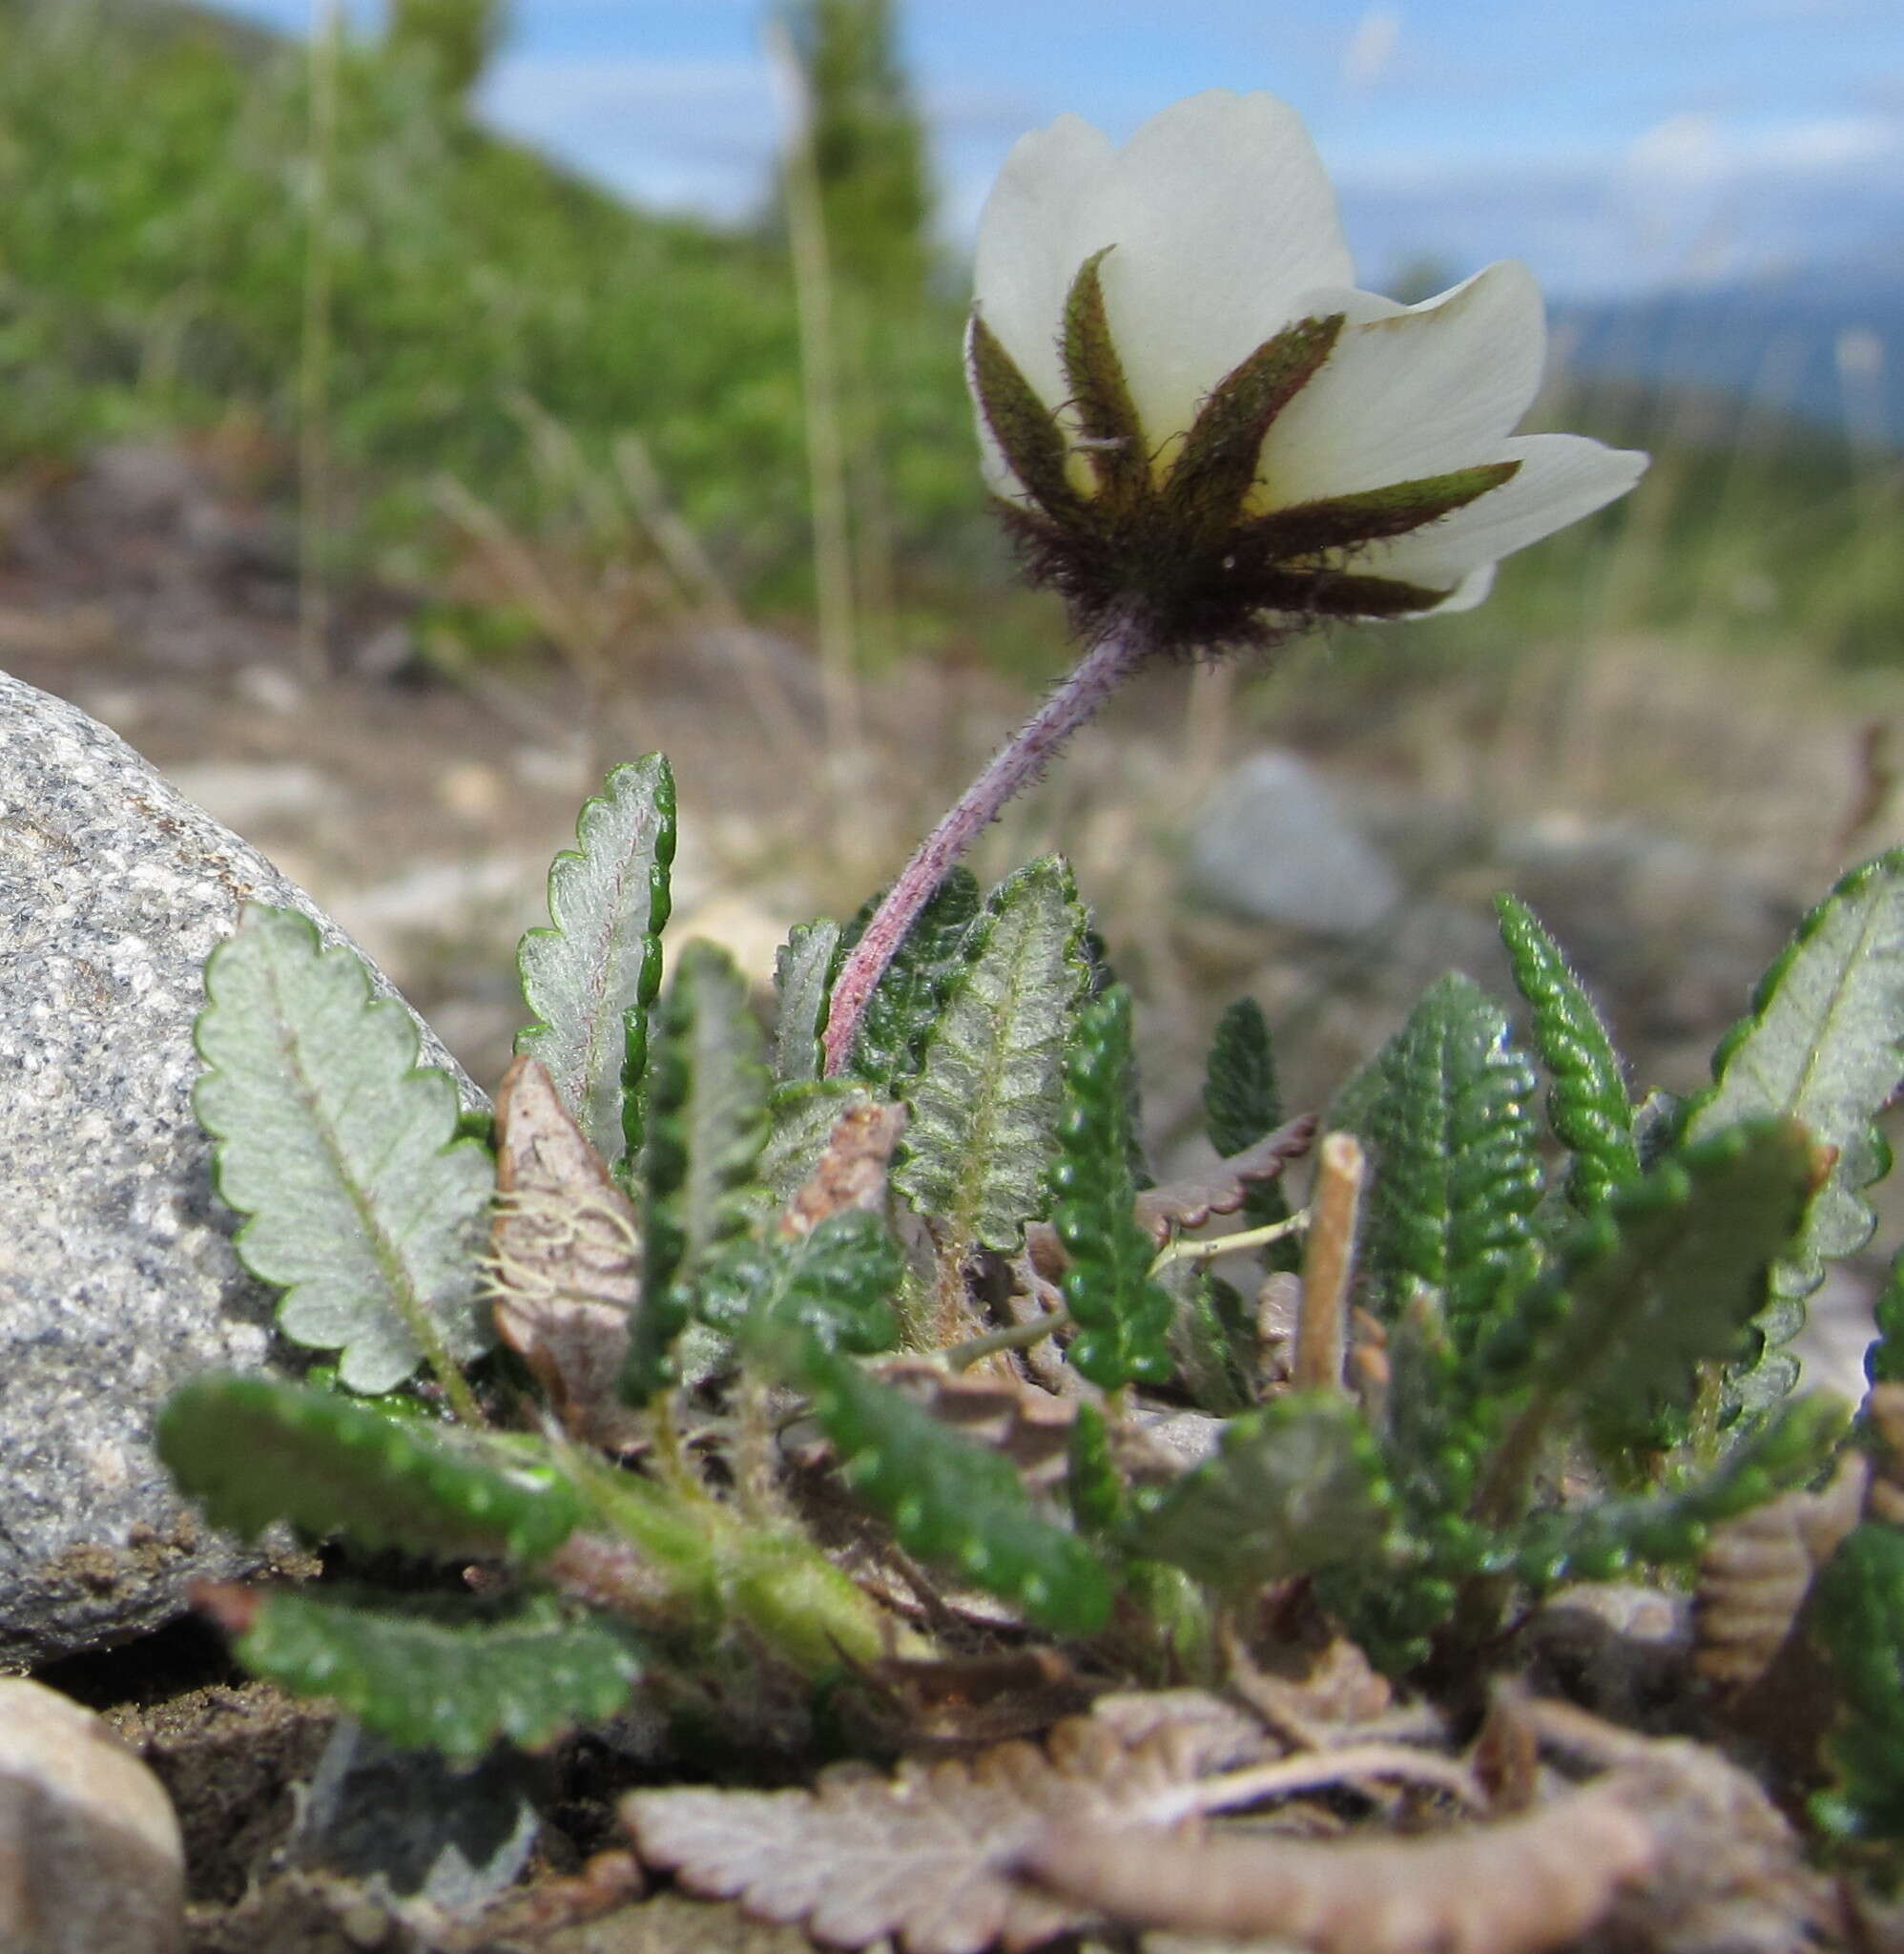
pixel 362 1203
pixel 1824 1044
pixel 1456 1173
pixel 803 984
pixel 592 977
pixel 1588 1102
pixel 252 1450
pixel 905 1005
pixel 707 1119
pixel 1242 1102
pixel 443 1672
pixel 985 1101
pixel 1294 1487
pixel 1122 1313
pixel 946 1500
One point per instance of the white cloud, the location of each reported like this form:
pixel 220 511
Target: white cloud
pixel 1370 52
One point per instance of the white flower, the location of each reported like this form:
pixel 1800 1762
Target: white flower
pixel 1188 409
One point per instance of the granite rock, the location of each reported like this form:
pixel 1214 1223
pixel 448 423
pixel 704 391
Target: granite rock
pixel 118 1276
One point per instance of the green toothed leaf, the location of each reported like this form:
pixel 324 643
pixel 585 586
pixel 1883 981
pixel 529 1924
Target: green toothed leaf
pixel 985 1102
pixel 1824 1044
pixel 1601 1541
pixel 252 1450
pixel 590 979
pixel 1884 1360
pixel 1093 1486
pixel 1587 1103
pixel 1118 452
pixel 946 1500
pixel 1294 1487
pixel 1663 1280
pixel 1242 1101
pixel 1455 1177
pixel 446 1672
pixel 906 1003
pixel 1858 1616
pixel 1123 1314
pixel 707 1120
pixel 803 982
pixel 837 1283
pixel 363 1204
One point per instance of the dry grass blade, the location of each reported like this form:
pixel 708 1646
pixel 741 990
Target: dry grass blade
pixel 1178 1205
pixel 1525 1886
pixel 925 1854
pixel 1758 1569
pixel 849 1175
pixel 564 1259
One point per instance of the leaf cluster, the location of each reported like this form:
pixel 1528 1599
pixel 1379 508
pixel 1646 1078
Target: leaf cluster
pixel 1564 1358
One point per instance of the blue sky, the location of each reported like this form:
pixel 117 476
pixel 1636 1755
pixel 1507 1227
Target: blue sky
pixel 1614 144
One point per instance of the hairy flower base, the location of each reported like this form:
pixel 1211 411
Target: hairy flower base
pixel 1183 549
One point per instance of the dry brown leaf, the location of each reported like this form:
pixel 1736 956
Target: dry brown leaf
pixel 1757 1569
pixel 924 1855
pixel 1022 1421
pixel 1523 1887
pixel 564 1259
pixel 850 1173
pixel 1178 1205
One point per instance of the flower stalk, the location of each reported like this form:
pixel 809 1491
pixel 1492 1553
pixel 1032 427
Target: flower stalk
pixel 1119 649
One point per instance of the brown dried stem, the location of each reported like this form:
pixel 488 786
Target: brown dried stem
pixel 1328 1262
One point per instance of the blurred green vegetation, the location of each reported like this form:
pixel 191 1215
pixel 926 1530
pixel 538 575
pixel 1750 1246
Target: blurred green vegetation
pixel 159 185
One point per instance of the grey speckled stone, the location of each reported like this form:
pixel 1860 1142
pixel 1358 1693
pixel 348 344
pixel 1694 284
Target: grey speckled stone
pixel 118 1276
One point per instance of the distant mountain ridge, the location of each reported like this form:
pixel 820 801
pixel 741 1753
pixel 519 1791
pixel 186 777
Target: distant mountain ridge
pixel 1822 347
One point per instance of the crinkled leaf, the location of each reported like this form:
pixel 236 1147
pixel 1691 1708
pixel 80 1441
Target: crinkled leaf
pixel 985 1101
pixel 946 1500
pixel 362 1203
pixel 1294 1487
pixel 564 1259
pixel 1663 1279
pixel 1456 1172
pixel 836 1282
pixel 911 993
pixel 1122 1313
pixel 803 984
pixel 801 1120
pixel 450 1673
pixel 590 979
pixel 926 1856
pixel 707 1120
pixel 1242 1101
pixel 1858 1612
pixel 252 1450
pixel 1588 1102
pixel 1824 1044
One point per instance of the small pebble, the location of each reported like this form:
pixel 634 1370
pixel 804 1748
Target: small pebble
pixel 90 1859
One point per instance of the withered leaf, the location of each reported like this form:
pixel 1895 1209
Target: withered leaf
pixel 924 1855
pixel 850 1173
pixel 1757 1569
pixel 1523 1886
pixel 1178 1205
pixel 564 1259
pixel 1025 1423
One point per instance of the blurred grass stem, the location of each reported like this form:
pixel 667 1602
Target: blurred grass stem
pixel 314 363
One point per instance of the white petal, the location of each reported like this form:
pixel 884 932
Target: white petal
pixel 1472 590
pixel 1417 391
pixel 1222 215
pixel 1562 478
pixel 1040 224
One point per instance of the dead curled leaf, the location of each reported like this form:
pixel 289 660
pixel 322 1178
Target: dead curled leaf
pixel 1178 1205
pixel 925 1854
pixel 850 1174
pixel 1757 1569
pixel 564 1259
pixel 1523 1886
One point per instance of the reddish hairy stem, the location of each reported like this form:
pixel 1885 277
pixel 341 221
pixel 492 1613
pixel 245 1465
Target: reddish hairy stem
pixel 1115 654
